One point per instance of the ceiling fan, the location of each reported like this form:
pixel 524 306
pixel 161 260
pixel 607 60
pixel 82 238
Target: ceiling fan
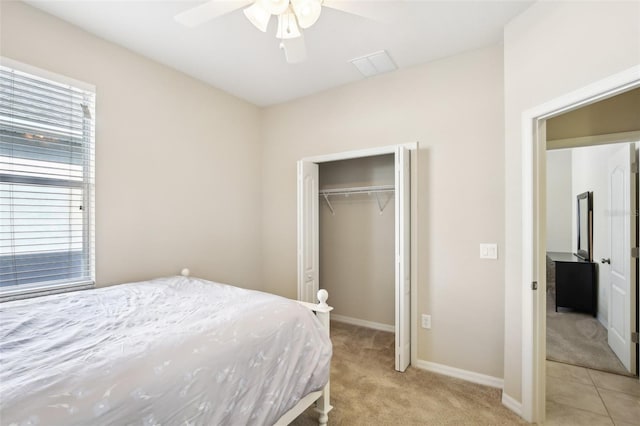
pixel 293 16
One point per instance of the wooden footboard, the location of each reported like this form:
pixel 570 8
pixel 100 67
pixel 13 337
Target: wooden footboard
pixel 321 397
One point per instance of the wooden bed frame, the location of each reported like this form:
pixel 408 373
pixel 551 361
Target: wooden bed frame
pixel 321 397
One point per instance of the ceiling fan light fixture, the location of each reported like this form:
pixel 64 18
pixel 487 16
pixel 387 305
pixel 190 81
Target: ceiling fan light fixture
pixel 258 16
pixel 307 11
pixel 287 26
pixel 274 7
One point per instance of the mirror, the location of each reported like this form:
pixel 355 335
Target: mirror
pixel 585 225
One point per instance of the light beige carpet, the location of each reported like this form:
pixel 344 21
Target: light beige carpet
pixel 366 390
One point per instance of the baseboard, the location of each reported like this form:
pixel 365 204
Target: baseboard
pixel 363 323
pixel 469 376
pixel 512 404
pixel 603 321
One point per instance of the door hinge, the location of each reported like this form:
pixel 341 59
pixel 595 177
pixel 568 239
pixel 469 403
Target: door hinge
pixel 634 251
pixel 634 167
pixel 634 337
pixel 534 285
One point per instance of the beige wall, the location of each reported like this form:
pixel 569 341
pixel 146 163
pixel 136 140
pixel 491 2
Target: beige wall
pixel 357 243
pixel 454 109
pixel 559 201
pixel 177 161
pixel 549 50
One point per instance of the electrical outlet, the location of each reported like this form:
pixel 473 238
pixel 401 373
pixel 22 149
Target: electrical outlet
pixel 426 321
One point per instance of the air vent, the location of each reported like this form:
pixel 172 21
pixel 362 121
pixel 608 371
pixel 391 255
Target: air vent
pixel 374 63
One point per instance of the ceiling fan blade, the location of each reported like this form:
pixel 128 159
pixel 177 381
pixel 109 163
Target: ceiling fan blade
pixel 294 49
pixel 207 11
pixel 369 9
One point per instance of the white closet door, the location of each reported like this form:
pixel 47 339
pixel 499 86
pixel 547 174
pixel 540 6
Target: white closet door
pixel 403 258
pixel 308 236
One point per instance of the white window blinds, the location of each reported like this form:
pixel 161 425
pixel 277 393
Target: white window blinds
pixel 46 184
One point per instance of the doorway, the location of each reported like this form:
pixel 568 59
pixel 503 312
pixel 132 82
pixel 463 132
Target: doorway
pixel 534 224
pixel 309 262
pixel 587 316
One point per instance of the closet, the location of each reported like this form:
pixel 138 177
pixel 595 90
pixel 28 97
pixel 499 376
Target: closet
pixel 354 238
pixel 357 239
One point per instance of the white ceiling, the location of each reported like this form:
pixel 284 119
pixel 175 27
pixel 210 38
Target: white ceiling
pixel 231 54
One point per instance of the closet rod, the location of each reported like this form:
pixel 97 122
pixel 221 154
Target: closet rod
pixel 375 190
pixel 357 190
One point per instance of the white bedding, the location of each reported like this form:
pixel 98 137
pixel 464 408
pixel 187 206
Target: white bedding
pixel 172 351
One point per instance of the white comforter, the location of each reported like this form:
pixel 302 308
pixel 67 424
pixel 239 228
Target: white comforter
pixel 172 351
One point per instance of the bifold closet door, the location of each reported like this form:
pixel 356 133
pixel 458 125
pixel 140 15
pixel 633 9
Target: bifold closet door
pixel 308 232
pixel 403 258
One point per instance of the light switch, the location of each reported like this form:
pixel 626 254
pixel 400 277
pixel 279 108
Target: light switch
pixel 488 251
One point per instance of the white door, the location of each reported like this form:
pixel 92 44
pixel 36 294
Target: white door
pixel 308 237
pixel 403 259
pixel 622 268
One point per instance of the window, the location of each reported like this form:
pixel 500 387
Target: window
pixel 46 182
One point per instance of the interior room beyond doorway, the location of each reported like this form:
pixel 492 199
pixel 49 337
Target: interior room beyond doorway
pixel 580 326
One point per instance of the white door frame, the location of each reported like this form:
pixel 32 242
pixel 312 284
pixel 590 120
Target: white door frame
pixel 383 150
pixel 533 225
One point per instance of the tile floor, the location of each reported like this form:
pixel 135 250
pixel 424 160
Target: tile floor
pixel 580 396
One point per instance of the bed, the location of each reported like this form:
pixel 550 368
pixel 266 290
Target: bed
pixel 171 351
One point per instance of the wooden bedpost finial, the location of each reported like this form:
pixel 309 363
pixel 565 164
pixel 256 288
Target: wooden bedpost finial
pixel 323 295
pixel 185 272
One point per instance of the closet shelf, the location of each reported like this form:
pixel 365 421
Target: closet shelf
pixel 371 190
pixel 358 190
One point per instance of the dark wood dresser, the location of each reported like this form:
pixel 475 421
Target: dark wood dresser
pixel 576 282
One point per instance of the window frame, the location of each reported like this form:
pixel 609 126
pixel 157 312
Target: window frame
pixel 27 290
